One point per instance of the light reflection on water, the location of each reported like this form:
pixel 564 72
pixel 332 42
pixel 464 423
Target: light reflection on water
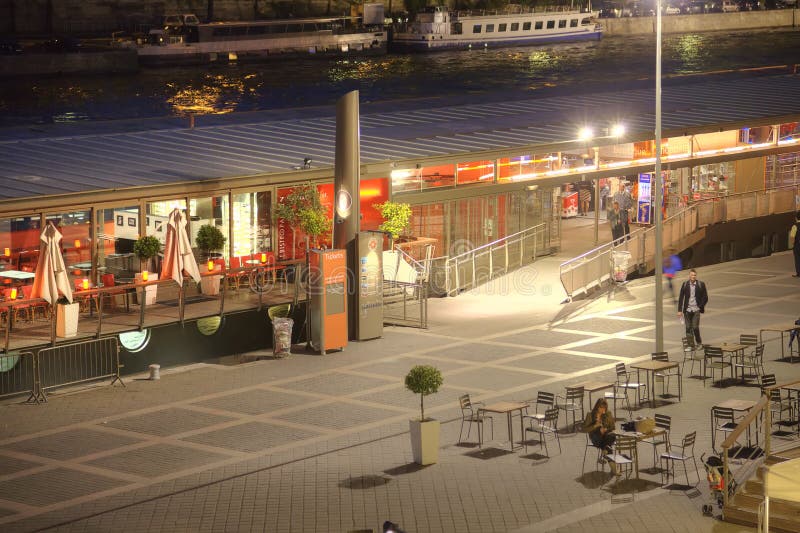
pixel 317 81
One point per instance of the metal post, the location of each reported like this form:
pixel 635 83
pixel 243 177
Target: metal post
pixel 142 304
pixel 99 313
pixel 659 264
pixel 725 474
pixel 180 303
pixel 597 211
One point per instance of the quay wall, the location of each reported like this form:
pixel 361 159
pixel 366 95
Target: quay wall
pixel 778 18
pixel 55 64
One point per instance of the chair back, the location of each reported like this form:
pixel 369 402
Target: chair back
pixel 713 351
pixel 545 398
pixel 574 393
pixel 663 421
pixel 759 351
pixel 107 280
pixel 688 441
pixel 466 404
pixel 625 444
pixel 621 371
pixel 26 291
pixel 749 340
pixel 551 417
pixel 236 262
pixel 768 380
pixel 688 344
pixel 659 356
pixel 722 414
pixel 220 263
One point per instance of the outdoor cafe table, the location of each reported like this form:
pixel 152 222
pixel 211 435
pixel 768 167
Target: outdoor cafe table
pixel 794 390
pixel 18 275
pixel 652 367
pixel 782 330
pixel 739 406
pixel 592 386
pixel 732 348
pixel 508 409
pixel 639 438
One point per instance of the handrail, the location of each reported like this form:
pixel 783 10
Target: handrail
pixel 494 243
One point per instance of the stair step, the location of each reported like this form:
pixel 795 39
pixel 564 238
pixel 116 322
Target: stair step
pixel 746 500
pixel 747 517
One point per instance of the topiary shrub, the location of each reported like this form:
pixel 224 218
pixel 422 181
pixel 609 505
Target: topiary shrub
pixel 423 380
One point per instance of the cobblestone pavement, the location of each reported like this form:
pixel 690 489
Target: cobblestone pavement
pixel 320 443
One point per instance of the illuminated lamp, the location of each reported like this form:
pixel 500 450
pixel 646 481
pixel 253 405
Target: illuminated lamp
pixel 14 293
pixel 7 252
pixel 263 258
pixel 617 130
pixel 77 243
pixel 85 284
pixel 145 275
pixel 210 265
pixel 585 133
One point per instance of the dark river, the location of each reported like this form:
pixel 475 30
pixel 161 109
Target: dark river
pixel 305 82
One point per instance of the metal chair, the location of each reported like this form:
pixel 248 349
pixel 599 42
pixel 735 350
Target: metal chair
pixel 547 426
pixel 473 415
pixel 715 360
pixel 619 393
pixel 624 380
pixel 571 402
pixel 663 422
pixel 599 460
pixel 543 399
pixel 722 421
pixel 690 353
pixel 778 403
pixel 672 455
pixel 748 340
pixel 664 377
pixel 753 361
pixel 624 455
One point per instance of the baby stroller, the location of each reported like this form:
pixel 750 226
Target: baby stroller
pixel 718 481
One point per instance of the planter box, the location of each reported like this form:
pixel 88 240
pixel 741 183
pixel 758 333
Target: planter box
pixel 67 319
pixel 209 284
pixel 425 441
pixel 151 291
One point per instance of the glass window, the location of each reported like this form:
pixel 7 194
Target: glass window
pixel 117 230
pixel 373 191
pixel 573 23
pixel 489 28
pixel 476 28
pixel 157 216
pixel 502 27
pixel 252 223
pixel 526 26
pixel 562 23
pixel 411 179
pixel 76 242
pixel 211 210
pixel 475 172
pixel 551 24
pixel 515 26
pixel 19 244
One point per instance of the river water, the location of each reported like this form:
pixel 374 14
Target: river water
pixel 290 83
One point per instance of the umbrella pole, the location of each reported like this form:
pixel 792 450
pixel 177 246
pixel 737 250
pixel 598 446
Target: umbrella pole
pixel 180 303
pixel 52 327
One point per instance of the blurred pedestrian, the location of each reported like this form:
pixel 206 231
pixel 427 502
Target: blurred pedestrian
pixel 672 264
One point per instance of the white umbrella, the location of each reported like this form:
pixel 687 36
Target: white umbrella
pixel 51 276
pixel 178 256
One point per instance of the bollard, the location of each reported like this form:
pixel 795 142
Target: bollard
pixel 191 121
pixel 155 372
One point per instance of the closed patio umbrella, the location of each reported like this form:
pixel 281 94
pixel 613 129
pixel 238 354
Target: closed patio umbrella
pixel 178 255
pixel 51 276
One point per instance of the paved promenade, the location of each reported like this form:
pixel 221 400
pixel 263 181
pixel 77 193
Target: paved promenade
pixel 320 443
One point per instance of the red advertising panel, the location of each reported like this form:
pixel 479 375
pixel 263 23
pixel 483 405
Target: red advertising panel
pixel 291 244
pixel 374 191
pixel 328 280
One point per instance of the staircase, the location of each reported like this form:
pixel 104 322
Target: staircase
pixel 784 516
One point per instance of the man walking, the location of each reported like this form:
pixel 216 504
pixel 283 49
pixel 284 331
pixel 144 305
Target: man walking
pixel 692 301
pixel 794 244
pixel 615 219
pixel 625 201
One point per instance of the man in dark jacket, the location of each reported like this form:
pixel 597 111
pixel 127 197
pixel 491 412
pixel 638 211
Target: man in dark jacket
pixel 794 243
pixel 692 301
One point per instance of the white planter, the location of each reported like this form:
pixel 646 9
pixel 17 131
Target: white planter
pixel 424 441
pixel 209 284
pixel 67 319
pixel 150 291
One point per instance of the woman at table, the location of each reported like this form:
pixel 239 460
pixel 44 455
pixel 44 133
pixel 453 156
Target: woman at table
pixel 600 425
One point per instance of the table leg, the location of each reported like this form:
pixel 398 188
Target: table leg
pixel 522 429
pixel 510 431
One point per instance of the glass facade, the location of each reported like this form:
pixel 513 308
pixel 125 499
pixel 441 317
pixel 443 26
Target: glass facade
pixel 212 211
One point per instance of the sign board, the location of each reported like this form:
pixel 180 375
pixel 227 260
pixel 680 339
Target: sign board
pixel 369 296
pixel 569 205
pixel 644 201
pixel 327 279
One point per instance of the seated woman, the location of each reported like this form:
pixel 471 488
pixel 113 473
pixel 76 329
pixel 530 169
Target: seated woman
pixel 599 424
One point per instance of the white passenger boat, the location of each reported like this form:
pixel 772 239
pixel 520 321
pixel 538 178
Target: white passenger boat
pixel 438 29
pixel 186 41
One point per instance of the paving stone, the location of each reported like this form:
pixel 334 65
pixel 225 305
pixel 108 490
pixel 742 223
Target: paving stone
pixel 251 436
pixel 255 402
pixel 10 465
pixel 557 362
pixel 602 325
pixel 157 460
pixel 616 347
pixel 397 368
pixel 342 384
pixel 337 415
pixel 71 444
pixel 52 486
pixel 480 352
pixel 170 421
pixel 493 379
pixel 543 338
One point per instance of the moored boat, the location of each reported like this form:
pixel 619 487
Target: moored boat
pixel 439 29
pixel 187 41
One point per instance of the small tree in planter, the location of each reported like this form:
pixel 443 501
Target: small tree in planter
pixel 146 248
pixel 396 218
pixel 424 380
pixel 303 210
pixel 209 239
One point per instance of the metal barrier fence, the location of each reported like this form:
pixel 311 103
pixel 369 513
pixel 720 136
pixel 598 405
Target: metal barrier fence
pixel 78 362
pixel 17 374
pixel 480 265
pixel 593 268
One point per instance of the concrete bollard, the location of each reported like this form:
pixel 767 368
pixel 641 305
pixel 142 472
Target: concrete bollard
pixel 155 372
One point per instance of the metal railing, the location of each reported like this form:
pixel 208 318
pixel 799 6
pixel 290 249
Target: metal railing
pixel 17 374
pixel 593 268
pixel 480 265
pixel 77 362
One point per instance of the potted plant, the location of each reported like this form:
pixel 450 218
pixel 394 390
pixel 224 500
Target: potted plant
pixel 209 239
pixel 424 380
pixel 66 317
pixel 146 248
pixel 396 218
pixel 302 210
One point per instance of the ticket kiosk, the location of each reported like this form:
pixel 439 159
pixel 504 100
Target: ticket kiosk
pixel 327 283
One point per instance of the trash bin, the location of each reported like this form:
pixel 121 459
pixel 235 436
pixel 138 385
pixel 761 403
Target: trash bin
pixel 281 330
pixel 619 265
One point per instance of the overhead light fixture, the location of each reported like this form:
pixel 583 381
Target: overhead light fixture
pixel 617 130
pixel 585 133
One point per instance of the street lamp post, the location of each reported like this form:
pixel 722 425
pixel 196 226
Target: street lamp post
pixel 657 183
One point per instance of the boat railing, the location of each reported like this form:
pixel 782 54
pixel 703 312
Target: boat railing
pixel 519 10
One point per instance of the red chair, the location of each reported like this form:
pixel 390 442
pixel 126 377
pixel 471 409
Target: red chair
pixel 271 264
pixel 108 280
pixel 85 300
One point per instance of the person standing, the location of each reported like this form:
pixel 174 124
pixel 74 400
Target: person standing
pixel 585 197
pixel 794 244
pixel 615 219
pixel 692 301
pixel 625 200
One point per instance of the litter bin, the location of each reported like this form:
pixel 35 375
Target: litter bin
pixel 619 265
pixel 281 330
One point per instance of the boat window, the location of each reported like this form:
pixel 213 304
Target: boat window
pixel 526 26
pixel 562 23
pixel 456 30
pixel 489 28
pixel 515 26
pixel 538 25
pixel 573 23
pixel 502 27
pixel 551 24
pixel 476 28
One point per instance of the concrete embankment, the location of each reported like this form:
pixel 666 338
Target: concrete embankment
pixel 107 61
pixel 779 18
